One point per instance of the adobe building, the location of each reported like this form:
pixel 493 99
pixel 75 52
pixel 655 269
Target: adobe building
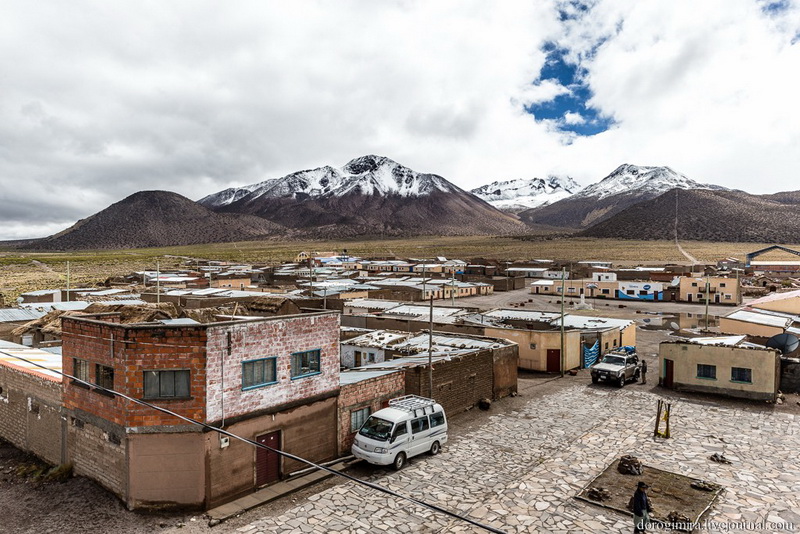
pixel 274 380
pixel 724 366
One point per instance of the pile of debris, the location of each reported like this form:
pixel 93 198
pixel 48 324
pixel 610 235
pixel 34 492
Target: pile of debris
pixel 598 494
pixel 719 458
pixel 702 485
pixel 630 465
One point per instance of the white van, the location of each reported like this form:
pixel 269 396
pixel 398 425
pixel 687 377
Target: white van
pixel 410 426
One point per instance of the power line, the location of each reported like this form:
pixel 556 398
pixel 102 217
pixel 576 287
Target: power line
pixel 371 485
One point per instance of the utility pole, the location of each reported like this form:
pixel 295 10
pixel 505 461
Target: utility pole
pixel 430 352
pixel 67 281
pixel 708 288
pixel 325 298
pixel 158 282
pixel 563 344
pixel 423 283
pixel 453 287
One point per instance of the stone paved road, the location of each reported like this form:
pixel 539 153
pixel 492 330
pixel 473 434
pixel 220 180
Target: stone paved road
pixel 521 470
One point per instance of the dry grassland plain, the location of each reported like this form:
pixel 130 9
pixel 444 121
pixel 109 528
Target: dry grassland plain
pixel 21 272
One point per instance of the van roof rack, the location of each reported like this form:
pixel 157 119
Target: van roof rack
pixel 414 404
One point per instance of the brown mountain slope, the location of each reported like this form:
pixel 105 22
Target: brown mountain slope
pixel 155 219
pixel 706 215
pixel 439 213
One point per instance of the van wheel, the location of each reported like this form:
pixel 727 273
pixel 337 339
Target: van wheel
pixel 621 381
pixel 435 448
pixel 399 461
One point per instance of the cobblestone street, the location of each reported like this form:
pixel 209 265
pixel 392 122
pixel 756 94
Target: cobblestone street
pixel 520 471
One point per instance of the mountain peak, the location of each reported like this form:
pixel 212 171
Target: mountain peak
pixel 650 180
pixel 525 193
pixel 368 163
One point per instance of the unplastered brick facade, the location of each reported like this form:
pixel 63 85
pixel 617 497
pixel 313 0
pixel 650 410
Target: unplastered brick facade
pixel 130 350
pixel 373 393
pixel 229 345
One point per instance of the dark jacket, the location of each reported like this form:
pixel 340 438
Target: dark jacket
pixel 641 503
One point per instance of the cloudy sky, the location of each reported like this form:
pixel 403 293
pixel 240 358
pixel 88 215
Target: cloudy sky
pixel 99 100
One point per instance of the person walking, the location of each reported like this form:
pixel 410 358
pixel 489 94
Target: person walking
pixel 641 508
pixel 644 371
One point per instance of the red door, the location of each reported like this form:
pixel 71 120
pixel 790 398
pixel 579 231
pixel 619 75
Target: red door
pixel 268 463
pixel 668 371
pixel 553 360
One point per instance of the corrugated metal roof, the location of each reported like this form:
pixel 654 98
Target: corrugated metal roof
pixel 354 377
pixel 51 362
pixel 14 315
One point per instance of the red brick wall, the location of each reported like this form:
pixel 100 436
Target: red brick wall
pixel 130 351
pixel 373 393
pixel 278 337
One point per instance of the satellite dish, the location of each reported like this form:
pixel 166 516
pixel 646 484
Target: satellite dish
pixel 786 343
pixel 675 326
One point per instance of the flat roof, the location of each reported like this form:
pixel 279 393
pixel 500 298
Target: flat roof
pixel 523 315
pixel 51 362
pixel 13 315
pixel 755 317
pixel 588 322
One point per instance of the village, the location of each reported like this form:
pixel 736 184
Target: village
pixel 297 356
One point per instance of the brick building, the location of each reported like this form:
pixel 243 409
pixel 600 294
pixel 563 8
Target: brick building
pixel 274 380
pixel 362 394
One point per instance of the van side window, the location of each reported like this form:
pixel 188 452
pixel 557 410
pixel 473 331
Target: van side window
pixel 418 425
pixel 400 430
pixel 437 419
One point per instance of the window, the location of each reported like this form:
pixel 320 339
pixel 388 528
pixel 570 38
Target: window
pixel 305 363
pixel 104 376
pixel 257 373
pixel 706 371
pixel 80 369
pixel 166 384
pixel 437 419
pixel 533 345
pixel 400 430
pixel 357 418
pixel 741 374
pixel 694 284
pixel 606 291
pixel 419 425
pixel 630 292
pixel 722 284
pixel 643 292
pixel 700 296
pixel 728 297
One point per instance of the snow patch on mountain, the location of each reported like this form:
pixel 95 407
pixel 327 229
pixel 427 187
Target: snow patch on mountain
pixel 651 181
pixel 521 194
pixel 367 175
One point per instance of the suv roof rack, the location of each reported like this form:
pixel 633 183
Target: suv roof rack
pixel 414 404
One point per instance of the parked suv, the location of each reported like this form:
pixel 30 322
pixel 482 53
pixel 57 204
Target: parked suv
pixel 617 366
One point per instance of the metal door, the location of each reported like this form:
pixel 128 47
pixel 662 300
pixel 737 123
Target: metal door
pixel 268 463
pixel 668 373
pixel 553 360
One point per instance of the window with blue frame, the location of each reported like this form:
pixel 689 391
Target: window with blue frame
pixel 257 373
pixel 305 363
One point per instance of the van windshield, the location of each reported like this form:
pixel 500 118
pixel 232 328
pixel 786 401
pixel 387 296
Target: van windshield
pixel 376 428
pixel 616 360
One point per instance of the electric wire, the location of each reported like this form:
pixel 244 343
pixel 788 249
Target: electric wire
pixel 371 485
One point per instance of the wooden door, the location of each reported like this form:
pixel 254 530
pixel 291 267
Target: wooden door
pixel 268 463
pixel 553 360
pixel 668 373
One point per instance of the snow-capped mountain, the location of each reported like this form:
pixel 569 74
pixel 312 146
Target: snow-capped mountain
pixel 369 195
pixel 367 175
pixel 634 178
pixel 626 186
pixel 521 194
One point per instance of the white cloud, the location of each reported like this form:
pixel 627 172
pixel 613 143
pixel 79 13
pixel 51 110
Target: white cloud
pixel 573 118
pixel 101 100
